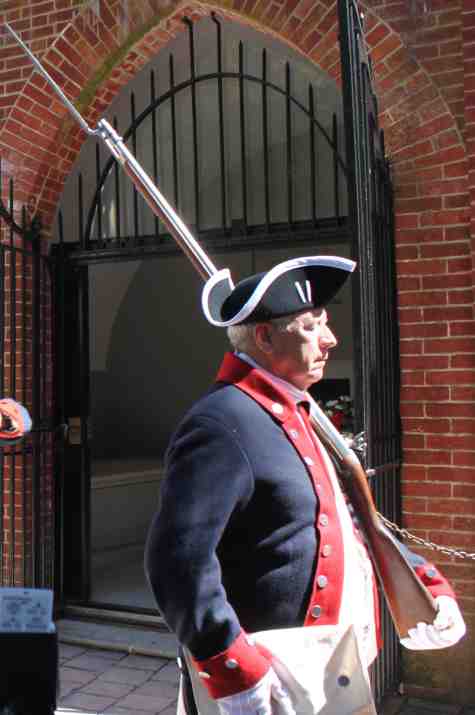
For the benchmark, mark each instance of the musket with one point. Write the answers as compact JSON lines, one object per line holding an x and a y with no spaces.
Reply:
{"x":408,"y":599}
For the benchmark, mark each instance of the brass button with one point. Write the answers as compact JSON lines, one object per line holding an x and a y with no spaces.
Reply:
{"x":316,"y":611}
{"x":277,"y":408}
{"x":322,"y":581}
{"x":231,"y":663}
{"x":309,"y":461}
{"x":323,"y":520}
{"x":294,"y":433}
{"x":327,"y":549}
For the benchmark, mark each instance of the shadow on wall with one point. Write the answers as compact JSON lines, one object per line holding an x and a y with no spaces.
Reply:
{"x":160,"y":357}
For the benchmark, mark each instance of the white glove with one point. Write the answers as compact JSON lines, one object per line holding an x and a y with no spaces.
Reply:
{"x":446,"y":630}
{"x":267,"y":697}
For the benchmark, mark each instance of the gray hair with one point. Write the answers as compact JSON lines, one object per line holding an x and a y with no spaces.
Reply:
{"x":241,"y":337}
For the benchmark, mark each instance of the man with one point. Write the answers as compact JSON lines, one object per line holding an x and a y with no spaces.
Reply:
{"x":253,"y":532}
{"x":15,"y":422}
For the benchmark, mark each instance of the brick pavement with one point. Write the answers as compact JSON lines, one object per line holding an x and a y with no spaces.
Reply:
{"x":105,"y":681}
{"x":99,"y":681}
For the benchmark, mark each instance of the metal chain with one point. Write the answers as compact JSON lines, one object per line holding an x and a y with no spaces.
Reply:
{"x":422,"y":542}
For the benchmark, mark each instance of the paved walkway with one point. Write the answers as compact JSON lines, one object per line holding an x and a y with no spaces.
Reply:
{"x":100,"y":681}
{"x":96,"y":680}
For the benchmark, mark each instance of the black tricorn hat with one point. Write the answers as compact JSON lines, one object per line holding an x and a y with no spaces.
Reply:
{"x":290,"y":287}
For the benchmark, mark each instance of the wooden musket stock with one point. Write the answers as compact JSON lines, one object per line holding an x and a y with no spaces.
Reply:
{"x":408,"y":599}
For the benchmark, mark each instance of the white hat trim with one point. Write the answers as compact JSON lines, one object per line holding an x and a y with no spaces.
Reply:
{"x":329,"y":261}
{"x":222,"y":275}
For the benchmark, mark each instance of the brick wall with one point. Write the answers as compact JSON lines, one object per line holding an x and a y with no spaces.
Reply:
{"x":423,"y":55}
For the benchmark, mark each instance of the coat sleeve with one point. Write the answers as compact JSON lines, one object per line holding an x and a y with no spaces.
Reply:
{"x":208,"y":479}
{"x":431,"y":577}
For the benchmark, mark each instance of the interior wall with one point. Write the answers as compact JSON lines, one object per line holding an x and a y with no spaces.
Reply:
{"x":153,"y":353}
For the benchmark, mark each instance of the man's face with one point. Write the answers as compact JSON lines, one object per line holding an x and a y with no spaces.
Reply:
{"x":299,"y":353}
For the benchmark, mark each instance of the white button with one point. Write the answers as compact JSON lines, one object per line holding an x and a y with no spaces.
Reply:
{"x":203,"y":674}
{"x":322,"y":581}
{"x":309,"y":461}
{"x":277,"y":409}
{"x":327,"y":549}
{"x":323,"y":520}
{"x":294,"y":433}
{"x":316,"y":611}
{"x":231,"y":663}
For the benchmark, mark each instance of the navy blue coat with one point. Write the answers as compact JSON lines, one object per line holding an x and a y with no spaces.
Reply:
{"x":234,"y":544}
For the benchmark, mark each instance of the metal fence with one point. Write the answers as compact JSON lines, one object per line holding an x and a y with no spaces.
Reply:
{"x":27,"y":484}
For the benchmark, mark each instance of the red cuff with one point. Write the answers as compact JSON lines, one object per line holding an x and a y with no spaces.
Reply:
{"x":433,"y":580}
{"x":238,"y":668}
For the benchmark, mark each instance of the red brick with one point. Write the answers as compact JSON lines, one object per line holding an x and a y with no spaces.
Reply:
{"x":463,"y":393}
{"x":411,"y":409}
{"x":466,"y":491}
{"x":427,"y":521}
{"x":423,"y":330}
{"x":424,"y":267}
{"x":448,"y":346}
{"x":460,"y":361}
{"x":464,"y":426}
{"x":421,"y":456}
{"x":425,"y":394}
{"x":439,"y":314}
{"x":443,"y":250}
{"x":410,"y":315}
{"x":427,"y":426}
{"x":450,"y":442}
{"x":412,"y":283}
{"x":457,"y":280}
{"x":425,"y":488}
{"x":415,"y":298}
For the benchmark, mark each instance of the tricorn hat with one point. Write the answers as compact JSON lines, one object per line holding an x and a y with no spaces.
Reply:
{"x":290,"y":287}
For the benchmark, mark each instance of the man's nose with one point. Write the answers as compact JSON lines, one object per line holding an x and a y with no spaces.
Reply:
{"x":328,"y":338}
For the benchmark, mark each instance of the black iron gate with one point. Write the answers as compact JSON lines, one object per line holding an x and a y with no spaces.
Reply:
{"x":111,"y":229}
{"x":375,"y":308}
{"x":27,"y":491}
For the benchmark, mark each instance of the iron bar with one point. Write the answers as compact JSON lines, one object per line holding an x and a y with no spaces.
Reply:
{"x":194,"y":119}
{"x":336,"y":187}
{"x":265,"y":139}
{"x":85,"y":469}
{"x":99,"y":196}
{"x":313,"y":156}
{"x":134,"y":190}
{"x":12,"y":386}
{"x":116,"y":192}
{"x":24,"y":354}
{"x":3,"y":269}
{"x":242,"y":117}
{"x":83,"y":237}
{"x":154,"y":143}
{"x":174,"y":142}
{"x":61,"y":407}
{"x":288,"y":132}
{"x":219,"y":52}
{"x":36,"y":414}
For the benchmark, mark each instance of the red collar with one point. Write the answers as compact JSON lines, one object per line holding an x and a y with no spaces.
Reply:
{"x":257,"y":385}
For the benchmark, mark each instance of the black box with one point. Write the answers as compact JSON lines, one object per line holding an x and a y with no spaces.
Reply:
{"x":28,"y":673}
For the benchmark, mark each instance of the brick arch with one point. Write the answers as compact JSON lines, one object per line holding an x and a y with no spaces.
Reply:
{"x":94,"y":57}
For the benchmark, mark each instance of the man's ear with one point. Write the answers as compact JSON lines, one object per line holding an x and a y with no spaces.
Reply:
{"x":263,"y":337}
